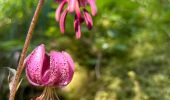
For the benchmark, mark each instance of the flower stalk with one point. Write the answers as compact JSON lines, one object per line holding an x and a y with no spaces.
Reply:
{"x":24,"y":50}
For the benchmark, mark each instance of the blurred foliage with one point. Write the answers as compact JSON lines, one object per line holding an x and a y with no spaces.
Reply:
{"x":125,"y":57}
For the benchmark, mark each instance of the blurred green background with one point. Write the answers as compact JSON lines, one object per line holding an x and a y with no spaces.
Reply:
{"x":125,"y":57}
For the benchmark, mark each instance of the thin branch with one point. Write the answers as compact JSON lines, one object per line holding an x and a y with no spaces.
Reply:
{"x":24,"y":51}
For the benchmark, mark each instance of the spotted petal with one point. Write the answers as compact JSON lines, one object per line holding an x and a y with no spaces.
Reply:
{"x":36,"y":64}
{"x":62,"y":68}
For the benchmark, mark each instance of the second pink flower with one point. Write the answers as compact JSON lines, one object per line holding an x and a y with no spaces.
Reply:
{"x":55,"y":69}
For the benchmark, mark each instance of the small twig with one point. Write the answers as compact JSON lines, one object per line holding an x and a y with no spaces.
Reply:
{"x":97,"y":67}
{"x":24,"y":51}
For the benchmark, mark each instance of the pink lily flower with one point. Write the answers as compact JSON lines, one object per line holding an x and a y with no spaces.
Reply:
{"x":80,"y":15}
{"x":51,"y":70}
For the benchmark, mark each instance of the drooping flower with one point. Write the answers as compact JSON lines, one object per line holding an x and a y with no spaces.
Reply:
{"x":81,"y":14}
{"x":51,"y":70}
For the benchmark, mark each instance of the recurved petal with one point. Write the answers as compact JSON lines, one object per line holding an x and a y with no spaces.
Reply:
{"x":71,"y":65}
{"x":59,"y":9}
{"x":60,"y":69}
{"x":71,"y":5}
{"x":62,"y":21}
{"x":93,"y":6}
{"x":77,"y":10}
{"x":88,"y":19}
{"x":34,"y":63}
{"x":77,"y":28}
{"x":45,"y":70}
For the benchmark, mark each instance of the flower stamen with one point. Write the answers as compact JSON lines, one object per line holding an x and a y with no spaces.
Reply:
{"x":49,"y":93}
